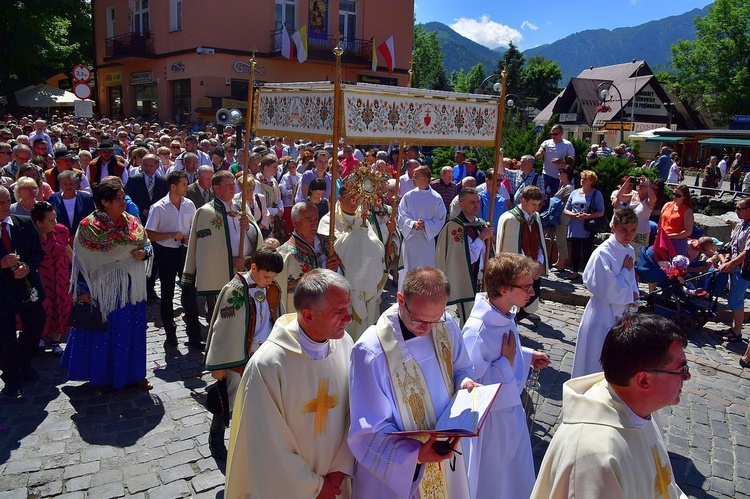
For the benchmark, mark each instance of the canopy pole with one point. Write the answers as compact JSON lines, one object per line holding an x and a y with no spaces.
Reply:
{"x":246,"y":153}
{"x":337,"y":51}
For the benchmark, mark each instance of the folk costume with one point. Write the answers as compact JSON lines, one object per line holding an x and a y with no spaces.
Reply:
{"x":211,"y":247}
{"x":603,"y":449}
{"x":418,"y":247}
{"x":403,"y":384}
{"x":499,"y":461}
{"x":521,"y":232}
{"x":460,"y":254}
{"x":612,"y":287}
{"x":291,"y":417}
{"x":104,"y":267}
{"x":299,"y":258}
{"x":363,"y":254}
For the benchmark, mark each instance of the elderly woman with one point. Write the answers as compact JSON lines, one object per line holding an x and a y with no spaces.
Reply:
{"x":677,"y":218}
{"x":109,"y":269}
{"x":35,"y":172}
{"x":55,"y":273}
{"x":583,"y":204}
{"x":24,"y":190}
{"x":71,"y":204}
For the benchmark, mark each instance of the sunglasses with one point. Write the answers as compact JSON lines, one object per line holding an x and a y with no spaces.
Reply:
{"x":677,"y":195}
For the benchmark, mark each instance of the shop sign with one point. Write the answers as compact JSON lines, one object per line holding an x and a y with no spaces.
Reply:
{"x":141,"y":78}
{"x":113,"y":78}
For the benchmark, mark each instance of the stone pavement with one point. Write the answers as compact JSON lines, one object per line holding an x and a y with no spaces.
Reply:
{"x":63,"y":439}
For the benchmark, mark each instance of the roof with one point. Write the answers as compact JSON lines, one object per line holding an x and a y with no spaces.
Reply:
{"x":725,"y":141}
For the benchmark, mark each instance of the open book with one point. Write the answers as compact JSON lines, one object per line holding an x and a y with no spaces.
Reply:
{"x":464,"y":416}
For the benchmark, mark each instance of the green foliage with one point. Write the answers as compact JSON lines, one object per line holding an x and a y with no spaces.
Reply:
{"x":519,"y":140}
{"x":428,"y":61}
{"x":582,"y":148}
{"x":442,"y":156}
{"x":714,"y":69}
{"x":512,"y":62}
{"x":39,"y":38}
{"x":539,"y":80}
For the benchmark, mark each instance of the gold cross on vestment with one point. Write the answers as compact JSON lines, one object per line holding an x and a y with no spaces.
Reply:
{"x":320,"y":405}
{"x":663,"y":476}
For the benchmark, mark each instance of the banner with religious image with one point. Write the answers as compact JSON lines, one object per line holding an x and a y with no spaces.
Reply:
{"x":301,"y":111}
{"x":415,"y":116}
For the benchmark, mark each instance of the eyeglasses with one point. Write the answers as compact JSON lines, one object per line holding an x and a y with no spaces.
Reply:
{"x":677,"y":195}
{"x":7,"y":153}
{"x":684,"y":372}
{"x":556,"y":133}
{"x":175,"y":147}
{"x":528,"y":288}
{"x":423,"y":323}
{"x":740,"y":208}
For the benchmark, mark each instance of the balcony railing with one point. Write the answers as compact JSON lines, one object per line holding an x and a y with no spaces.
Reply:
{"x":130,"y":45}
{"x":321,"y":47}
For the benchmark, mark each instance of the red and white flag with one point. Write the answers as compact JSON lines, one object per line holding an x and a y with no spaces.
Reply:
{"x":286,"y":44}
{"x":386,"y":50}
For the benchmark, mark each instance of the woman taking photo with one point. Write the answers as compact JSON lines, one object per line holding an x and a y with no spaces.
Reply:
{"x":560,"y":231}
{"x":109,"y":269}
{"x":55,"y":272}
{"x":583,"y":204}
{"x":677,"y":219}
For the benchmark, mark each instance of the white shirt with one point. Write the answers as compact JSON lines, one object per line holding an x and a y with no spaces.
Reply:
{"x":263,"y":324}
{"x":203,"y":159}
{"x":316,"y":351}
{"x":70,"y":207}
{"x":165,"y":217}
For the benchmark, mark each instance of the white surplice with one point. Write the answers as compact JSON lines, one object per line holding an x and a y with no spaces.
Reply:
{"x":418,"y":246}
{"x":612,"y":287}
{"x":499,"y":461}
{"x":386,"y":464}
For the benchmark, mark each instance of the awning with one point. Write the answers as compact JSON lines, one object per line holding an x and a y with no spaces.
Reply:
{"x":725,"y":141}
{"x":664,"y":138}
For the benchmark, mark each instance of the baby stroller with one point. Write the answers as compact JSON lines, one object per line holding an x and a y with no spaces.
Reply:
{"x":670,"y":298}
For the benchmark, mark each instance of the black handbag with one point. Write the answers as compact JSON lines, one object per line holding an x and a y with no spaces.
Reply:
{"x":594,"y":225}
{"x":87,"y":316}
{"x":745,"y":272}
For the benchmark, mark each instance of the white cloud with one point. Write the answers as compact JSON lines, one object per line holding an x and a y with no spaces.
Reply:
{"x":487,"y":32}
{"x":529,"y":25}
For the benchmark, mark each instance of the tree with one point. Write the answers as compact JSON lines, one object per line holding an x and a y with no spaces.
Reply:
{"x":469,"y":82}
{"x":428,"y":61}
{"x":513,"y":62}
{"x":39,"y":38}
{"x":713,"y":70}
{"x":539,"y":81}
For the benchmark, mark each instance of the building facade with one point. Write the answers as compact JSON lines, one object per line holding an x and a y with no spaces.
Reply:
{"x":179,"y":60}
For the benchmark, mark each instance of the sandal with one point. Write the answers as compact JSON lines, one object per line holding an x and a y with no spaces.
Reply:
{"x":144,"y":384}
{"x":731,"y":337}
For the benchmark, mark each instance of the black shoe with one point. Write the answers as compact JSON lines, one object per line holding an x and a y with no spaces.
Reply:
{"x":171,"y":341}
{"x":151,"y":295}
{"x":196,"y":345}
{"x":11,"y":391}
{"x":30,"y":374}
{"x":217,"y":447}
{"x":744,"y":364}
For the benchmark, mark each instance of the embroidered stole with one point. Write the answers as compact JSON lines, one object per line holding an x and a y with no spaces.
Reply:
{"x":412,"y":395}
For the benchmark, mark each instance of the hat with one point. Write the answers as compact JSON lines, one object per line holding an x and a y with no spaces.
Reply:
{"x":217,"y":400}
{"x":260,"y":150}
{"x":413,"y":148}
{"x":717,"y":242}
{"x":105,"y":145}
{"x":63,"y":153}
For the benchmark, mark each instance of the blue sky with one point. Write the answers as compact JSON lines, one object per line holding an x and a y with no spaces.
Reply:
{"x":529,"y":23}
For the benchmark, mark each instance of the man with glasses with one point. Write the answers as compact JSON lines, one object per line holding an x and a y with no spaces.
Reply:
{"x":554,"y":151}
{"x":404,"y":372}
{"x":191,"y":145}
{"x":20,"y":154}
{"x":6,"y":157}
{"x":609,"y":444}
{"x":739,"y":244}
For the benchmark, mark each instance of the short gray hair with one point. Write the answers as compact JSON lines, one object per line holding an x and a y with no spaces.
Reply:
{"x":311,"y":290}
{"x":528,"y":157}
{"x":300,"y":207}
{"x":68,"y":175}
{"x":205,"y":169}
{"x":446,"y":169}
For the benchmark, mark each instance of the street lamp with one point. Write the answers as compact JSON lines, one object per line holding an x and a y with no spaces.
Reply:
{"x":495,"y":88}
{"x":606,"y":96}
{"x":512,"y":101}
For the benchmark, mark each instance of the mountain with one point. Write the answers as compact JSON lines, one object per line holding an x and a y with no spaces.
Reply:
{"x":651,"y":41}
{"x":460,"y":52}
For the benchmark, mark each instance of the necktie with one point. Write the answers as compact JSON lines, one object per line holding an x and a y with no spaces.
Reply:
{"x":6,"y":237}
{"x":205,"y":196}
{"x":151,"y":187}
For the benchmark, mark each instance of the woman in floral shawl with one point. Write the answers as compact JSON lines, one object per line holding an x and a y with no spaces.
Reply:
{"x":109,"y":267}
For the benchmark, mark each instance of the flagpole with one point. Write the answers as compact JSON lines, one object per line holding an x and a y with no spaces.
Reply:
{"x":337,"y":51}
{"x":411,"y":72}
{"x":246,"y":152}
{"x":498,"y":159}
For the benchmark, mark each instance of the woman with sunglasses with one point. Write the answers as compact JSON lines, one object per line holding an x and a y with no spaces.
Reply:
{"x":677,"y":219}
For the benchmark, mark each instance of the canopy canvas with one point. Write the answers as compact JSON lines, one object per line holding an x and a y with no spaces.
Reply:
{"x":378,"y":113}
{"x":43,"y":96}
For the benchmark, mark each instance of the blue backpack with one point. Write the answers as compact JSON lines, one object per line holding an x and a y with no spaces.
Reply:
{"x":551,"y":216}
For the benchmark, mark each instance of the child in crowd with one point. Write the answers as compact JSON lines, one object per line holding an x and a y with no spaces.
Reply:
{"x":316,"y":190}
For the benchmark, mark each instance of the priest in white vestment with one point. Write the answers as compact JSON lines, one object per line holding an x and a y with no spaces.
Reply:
{"x":609,"y":443}
{"x":610,"y":278}
{"x":291,"y":415}
{"x":499,"y":461}
{"x":363,"y":255}
{"x":404,"y":372}
{"x":421,"y":215}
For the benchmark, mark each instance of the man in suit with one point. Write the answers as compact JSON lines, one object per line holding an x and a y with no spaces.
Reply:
{"x":146,"y":188}
{"x":200,"y":191}
{"x":71,"y":201}
{"x":20,"y":255}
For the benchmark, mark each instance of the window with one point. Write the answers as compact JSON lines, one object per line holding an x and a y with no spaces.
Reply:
{"x":110,"y":22}
{"x":175,"y":15}
{"x":285,"y":14}
{"x":348,"y":24}
{"x":141,"y":17}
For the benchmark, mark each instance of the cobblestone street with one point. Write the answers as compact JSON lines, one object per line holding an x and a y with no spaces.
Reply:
{"x":67,"y":440}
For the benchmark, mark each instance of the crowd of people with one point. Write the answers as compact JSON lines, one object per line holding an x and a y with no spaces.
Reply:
{"x":93,"y":213}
